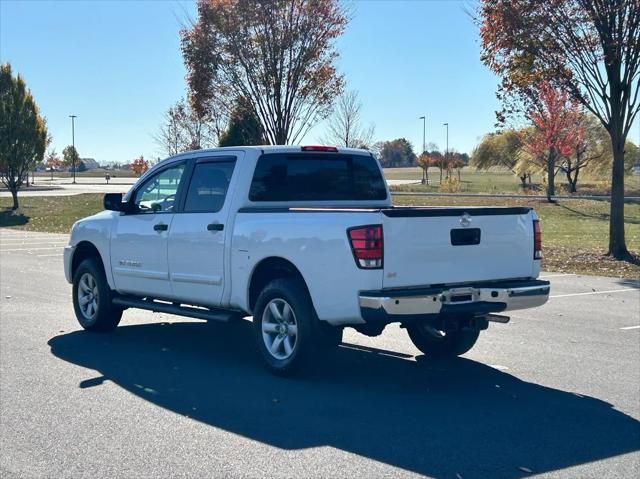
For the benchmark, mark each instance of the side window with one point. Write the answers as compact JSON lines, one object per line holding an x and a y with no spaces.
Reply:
{"x":159,"y":193}
{"x":208,"y":187}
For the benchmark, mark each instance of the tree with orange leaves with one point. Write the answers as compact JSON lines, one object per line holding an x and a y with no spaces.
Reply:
{"x":424,"y":162}
{"x":53,"y":162}
{"x":139,"y":165}
{"x":278,"y":54}
{"x":456,"y":164}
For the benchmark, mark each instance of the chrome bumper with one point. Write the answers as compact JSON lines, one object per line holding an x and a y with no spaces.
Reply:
{"x":477,"y":300}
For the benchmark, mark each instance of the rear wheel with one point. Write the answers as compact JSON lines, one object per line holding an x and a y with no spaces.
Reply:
{"x":435,"y":343}
{"x":283,"y":319}
{"x":92,"y":298}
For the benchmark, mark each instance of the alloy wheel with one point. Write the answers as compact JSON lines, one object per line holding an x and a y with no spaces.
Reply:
{"x":88,"y":296}
{"x":279,"y":329}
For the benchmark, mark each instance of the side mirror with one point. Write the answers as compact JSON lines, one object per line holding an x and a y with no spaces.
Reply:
{"x":113,"y":202}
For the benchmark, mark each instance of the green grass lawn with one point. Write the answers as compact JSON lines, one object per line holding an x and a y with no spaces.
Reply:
{"x":574,"y":231}
{"x":97,"y":173}
{"x":415,"y":173}
{"x":53,"y":214}
{"x":500,"y":182}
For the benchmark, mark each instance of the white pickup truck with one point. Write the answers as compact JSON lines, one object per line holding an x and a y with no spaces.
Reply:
{"x":306,"y":241}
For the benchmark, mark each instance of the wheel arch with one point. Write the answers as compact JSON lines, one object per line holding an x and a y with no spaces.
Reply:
{"x":268,"y":269}
{"x":84,"y":250}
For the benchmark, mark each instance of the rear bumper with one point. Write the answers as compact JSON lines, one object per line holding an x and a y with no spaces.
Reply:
{"x":476,"y":299}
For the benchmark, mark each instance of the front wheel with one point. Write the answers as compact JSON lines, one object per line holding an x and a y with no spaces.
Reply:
{"x":435,"y":343}
{"x":92,"y":298}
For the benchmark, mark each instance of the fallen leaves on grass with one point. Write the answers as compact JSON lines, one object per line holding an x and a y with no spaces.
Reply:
{"x":568,"y":260}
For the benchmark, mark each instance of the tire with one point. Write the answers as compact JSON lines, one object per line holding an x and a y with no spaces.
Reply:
{"x":90,"y":287}
{"x":283,"y":323}
{"x":436,"y":344}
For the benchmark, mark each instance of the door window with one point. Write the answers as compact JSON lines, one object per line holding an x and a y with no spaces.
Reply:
{"x":159,"y":193}
{"x":208,"y":187}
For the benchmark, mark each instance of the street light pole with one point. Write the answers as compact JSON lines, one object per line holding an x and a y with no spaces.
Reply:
{"x":425,"y":173}
{"x":73,"y":145}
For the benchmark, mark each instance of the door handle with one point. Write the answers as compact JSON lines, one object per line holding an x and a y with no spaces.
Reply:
{"x":215,"y":227}
{"x":160,"y":227}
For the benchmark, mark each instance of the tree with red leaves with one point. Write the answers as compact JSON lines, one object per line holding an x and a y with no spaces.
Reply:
{"x":556,"y":131}
{"x":589,"y":48}
{"x":139,"y":165}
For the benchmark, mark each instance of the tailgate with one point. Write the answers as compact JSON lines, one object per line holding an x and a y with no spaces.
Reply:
{"x":426,"y":246}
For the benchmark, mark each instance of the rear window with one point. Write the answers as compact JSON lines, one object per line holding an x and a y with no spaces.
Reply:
{"x":317,"y":177}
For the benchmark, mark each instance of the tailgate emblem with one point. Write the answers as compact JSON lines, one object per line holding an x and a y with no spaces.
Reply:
{"x":465,"y":220}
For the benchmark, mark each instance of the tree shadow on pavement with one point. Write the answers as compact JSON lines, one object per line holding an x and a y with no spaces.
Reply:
{"x":599,"y":216}
{"x":9,"y":217}
{"x":439,"y":418}
{"x":632,"y":283}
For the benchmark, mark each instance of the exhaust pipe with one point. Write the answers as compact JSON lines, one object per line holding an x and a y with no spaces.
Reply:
{"x":497,"y":318}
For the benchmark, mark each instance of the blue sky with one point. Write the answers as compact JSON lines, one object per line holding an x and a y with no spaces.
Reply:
{"x":117,"y":65}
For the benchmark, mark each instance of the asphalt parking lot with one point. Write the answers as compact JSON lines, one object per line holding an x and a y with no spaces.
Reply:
{"x":555,"y":393}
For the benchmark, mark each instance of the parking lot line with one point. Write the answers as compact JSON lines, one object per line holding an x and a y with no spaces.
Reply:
{"x":21,"y":232}
{"x":31,"y":238}
{"x":62,"y":243}
{"x":29,"y":249}
{"x":16,"y":244}
{"x":594,"y":292}
{"x":556,"y":275}
{"x":44,"y":255}
{"x":631,"y":327}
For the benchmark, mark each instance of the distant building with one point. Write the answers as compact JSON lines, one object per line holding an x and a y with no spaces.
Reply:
{"x":86,"y":164}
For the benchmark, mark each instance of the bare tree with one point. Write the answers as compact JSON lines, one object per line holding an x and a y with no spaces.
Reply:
{"x":182,"y":129}
{"x":169,"y":137}
{"x":344,"y":126}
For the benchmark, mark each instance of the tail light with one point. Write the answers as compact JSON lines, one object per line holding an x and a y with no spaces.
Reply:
{"x":367,"y":246}
{"x":537,"y":240}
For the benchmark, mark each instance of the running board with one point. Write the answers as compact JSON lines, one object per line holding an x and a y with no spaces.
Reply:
{"x":497,"y":318}
{"x":157,"y":307}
